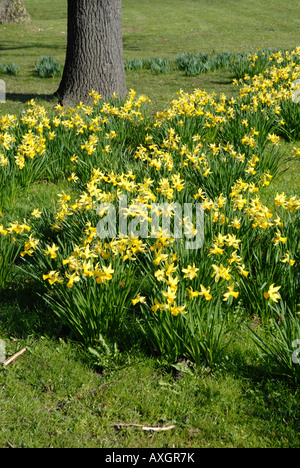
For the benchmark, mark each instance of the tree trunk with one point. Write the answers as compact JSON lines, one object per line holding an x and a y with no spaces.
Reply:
{"x":94,"y":59}
{"x":13,"y":11}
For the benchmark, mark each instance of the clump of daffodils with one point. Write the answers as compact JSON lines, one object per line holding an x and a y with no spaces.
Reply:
{"x":203,"y":149}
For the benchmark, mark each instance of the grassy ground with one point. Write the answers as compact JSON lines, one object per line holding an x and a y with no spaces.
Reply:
{"x":155,"y":29}
{"x":52,"y":396}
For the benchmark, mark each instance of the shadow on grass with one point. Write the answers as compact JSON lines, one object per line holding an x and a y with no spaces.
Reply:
{"x":23,"y":313}
{"x":23,"y":97}
{"x":225,"y":80}
{"x":7,"y":46}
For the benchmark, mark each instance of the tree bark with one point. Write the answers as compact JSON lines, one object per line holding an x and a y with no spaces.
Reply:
{"x":94,"y":58}
{"x":13,"y":11}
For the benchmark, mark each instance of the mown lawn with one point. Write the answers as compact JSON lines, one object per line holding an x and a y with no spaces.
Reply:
{"x":152,"y":30}
{"x":55,"y":394}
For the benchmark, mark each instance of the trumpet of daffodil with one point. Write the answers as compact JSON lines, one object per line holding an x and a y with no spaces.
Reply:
{"x":232,"y":241}
{"x":280,"y":199}
{"x":170,"y":295}
{"x":30,"y":246}
{"x":36,"y":213}
{"x":51,"y":250}
{"x":190,"y":272}
{"x":53,"y":277}
{"x":272,"y":293}
{"x":230,"y":292}
{"x":156,"y":305}
{"x":205,"y":292}
{"x":279,"y":238}
{"x":215,"y":250}
{"x":275,"y":139}
{"x":86,"y":268}
{"x":73,"y":278}
{"x":104,"y":275}
{"x":138,"y":299}
{"x":2,"y":230}
{"x":192,"y":293}
{"x":175,"y":309}
{"x":172,"y":282}
{"x":221,"y":272}
{"x":287,"y":259}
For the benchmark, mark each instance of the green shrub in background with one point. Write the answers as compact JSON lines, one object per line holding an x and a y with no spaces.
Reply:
{"x":136,"y":64}
{"x":9,"y":69}
{"x":48,"y":67}
{"x":156,"y":65}
{"x":160,"y":65}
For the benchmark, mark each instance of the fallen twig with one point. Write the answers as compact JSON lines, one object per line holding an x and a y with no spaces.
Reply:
{"x":12,"y":358}
{"x":10,"y":444}
{"x":145,"y":428}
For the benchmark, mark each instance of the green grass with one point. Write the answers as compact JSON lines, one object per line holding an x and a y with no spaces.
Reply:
{"x":55,"y":395}
{"x":225,"y":26}
{"x":154,"y":29}
{"x":52,"y":398}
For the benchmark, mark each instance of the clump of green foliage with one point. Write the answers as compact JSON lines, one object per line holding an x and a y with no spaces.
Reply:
{"x":48,"y":67}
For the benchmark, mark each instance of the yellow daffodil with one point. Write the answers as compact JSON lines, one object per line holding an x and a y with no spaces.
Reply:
{"x":221,"y":272}
{"x":287,"y":259}
{"x":36,"y":213}
{"x":51,"y":250}
{"x":190,"y":272}
{"x":170,"y":295}
{"x":73,"y":278}
{"x":53,"y":277}
{"x":138,"y":299}
{"x":205,"y":292}
{"x":272,"y":293}
{"x":230,"y":292}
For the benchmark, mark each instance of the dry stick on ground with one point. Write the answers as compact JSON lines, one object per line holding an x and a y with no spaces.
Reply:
{"x":12,"y":358}
{"x":145,"y":428}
